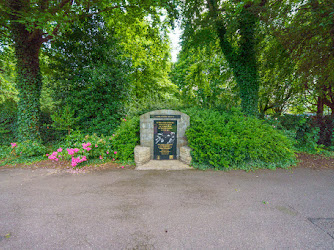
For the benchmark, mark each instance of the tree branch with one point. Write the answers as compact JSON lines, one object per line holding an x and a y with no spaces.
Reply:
{"x":60,"y":6}
{"x":52,"y":35}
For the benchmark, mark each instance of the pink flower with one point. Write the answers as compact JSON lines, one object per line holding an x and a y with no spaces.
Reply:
{"x":101,"y":157}
{"x":113,"y":134}
{"x":124,"y":119}
{"x":88,"y":149}
{"x":76,"y":150}
{"x":70,"y":151}
{"x":113,"y":159}
{"x":96,"y":145}
{"x":115,"y":152}
{"x":59,"y":150}
{"x":77,"y":160}
{"x":53,"y":156}
{"x":86,"y":145}
{"x":122,"y":167}
{"x":13,"y":144}
{"x":107,"y":152}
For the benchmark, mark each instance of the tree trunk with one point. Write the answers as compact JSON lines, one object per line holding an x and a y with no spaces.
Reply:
{"x":320,"y":120}
{"x":243,"y":60}
{"x":247,"y":71}
{"x":29,"y":81}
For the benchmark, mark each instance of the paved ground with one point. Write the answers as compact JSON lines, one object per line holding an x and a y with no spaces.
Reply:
{"x":128,"y":209}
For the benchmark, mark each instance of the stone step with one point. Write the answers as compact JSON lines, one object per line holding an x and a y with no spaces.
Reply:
{"x":164,"y":165}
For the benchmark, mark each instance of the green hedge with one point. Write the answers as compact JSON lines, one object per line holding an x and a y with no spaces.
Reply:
{"x":229,"y":140}
{"x":219,"y":140}
{"x":126,"y":138}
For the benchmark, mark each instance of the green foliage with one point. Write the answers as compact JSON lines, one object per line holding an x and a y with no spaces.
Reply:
{"x":100,"y":147}
{"x":7,"y":122}
{"x":5,"y":151}
{"x":147,"y":45}
{"x":29,"y":24}
{"x":236,"y":29}
{"x":203,"y":76}
{"x":126,"y":138}
{"x":8,"y":92}
{"x":279,"y":86}
{"x":307,"y":37}
{"x":90,"y":61}
{"x":154,"y":102}
{"x":64,"y":120}
{"x":29,"y":149}
{"x":229,"y":140}
{"x":118,"y":146}
{"x":307,"y":136}
{"x":301,"y":129}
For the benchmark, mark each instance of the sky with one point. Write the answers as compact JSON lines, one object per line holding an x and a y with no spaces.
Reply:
{"x":175,"y":39}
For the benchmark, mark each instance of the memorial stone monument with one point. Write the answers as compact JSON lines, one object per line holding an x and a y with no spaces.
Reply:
{"x":162,"y":137}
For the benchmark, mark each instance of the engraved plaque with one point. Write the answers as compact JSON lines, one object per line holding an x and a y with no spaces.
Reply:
{"x":165,"y":133}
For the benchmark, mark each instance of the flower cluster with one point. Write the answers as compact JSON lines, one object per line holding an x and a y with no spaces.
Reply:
{"x":76,"y":161}
{"x":86,"y":146}
{"x":13,"y":144}
{"x":54,"y":156}
{"x":72,"y":151}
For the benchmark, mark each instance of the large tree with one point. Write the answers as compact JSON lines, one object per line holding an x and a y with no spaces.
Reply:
{"x":235,"y":24}
{"x":306,"y":31}
{"x":31,"y":23}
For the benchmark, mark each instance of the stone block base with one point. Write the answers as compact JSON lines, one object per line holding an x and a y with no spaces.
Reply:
{"x":142,"y":155}
{"x":185,"y":156}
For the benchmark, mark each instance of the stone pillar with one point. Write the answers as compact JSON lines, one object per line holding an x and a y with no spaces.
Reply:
{"x":142,"y":155}
{"x":185,"y":156}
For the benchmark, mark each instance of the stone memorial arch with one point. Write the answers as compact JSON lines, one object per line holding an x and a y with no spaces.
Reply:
{"x":162,"y":137}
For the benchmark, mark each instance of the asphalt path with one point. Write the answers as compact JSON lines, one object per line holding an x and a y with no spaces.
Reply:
{"x":129,"y":209}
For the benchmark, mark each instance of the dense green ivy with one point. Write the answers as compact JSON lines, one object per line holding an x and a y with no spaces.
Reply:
{"x":229,"y":140}
{"x":28,"y":83}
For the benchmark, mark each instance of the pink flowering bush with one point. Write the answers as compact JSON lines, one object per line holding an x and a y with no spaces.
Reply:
{"x":80,"y":149}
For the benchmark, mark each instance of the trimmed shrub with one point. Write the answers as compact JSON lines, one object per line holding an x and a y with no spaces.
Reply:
{"x":126,"y":138}
{"x":229,"y":140}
